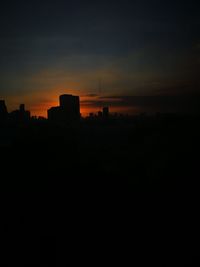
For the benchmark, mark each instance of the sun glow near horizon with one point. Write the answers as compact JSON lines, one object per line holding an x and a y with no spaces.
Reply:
{"x":38,"y":104}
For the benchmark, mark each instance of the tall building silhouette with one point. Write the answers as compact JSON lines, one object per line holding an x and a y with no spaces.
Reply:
{"x":22,"y":108}
{"x":68,"y":111}
{"x":71,"y":106}
{"x":3,"y":111}
{"x":105,"y":112}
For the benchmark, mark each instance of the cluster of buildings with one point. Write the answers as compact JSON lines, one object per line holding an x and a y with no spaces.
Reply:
{"x":19,"y":115}
{"x":101,"y":114}
{"x":68,"y":111}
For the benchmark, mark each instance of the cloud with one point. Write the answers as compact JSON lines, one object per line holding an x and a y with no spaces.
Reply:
{"x":90,"y":95}
{"x":169,"y":103}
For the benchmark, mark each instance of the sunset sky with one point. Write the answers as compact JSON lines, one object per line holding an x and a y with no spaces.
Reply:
{"x":145,"y":53}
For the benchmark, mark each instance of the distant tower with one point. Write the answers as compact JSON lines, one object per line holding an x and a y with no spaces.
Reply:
{"x":105,"y":112}
{"x":100,"y":106}
{"x":100,"y":87}
{"x":22,"y":108}
{"x":24,"y":114}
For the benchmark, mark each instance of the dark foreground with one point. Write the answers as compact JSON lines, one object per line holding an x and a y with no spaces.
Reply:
{"x":140,"y":154}
{"x":61,"y":184}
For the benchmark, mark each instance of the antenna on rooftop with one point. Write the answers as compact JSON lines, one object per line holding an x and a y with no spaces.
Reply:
{"x":100,"y":87}
{"x":100,"y":91}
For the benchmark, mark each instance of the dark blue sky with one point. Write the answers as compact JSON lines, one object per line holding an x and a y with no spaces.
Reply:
{"x":136,"y":48}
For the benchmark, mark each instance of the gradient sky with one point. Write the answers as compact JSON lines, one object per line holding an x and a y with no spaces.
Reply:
{"x":144,"y":52}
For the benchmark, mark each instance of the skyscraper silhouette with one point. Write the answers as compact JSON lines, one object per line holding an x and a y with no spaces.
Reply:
{"x":105,"y":112}
{"x":71,"y":106}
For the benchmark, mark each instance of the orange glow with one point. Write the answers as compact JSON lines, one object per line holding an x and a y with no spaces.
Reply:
{"x":44,"y":87}
{"x":41,"y":108}
{"x":87,"y":105}
{"x":38,"y":103}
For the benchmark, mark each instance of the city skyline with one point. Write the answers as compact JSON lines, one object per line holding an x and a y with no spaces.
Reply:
{"x":127,"y":105}
{"x":136,"y":48}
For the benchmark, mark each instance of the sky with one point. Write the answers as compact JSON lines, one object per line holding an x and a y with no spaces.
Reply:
{"x":134,"y":56}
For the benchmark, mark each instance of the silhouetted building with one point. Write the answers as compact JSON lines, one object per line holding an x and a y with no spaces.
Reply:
{"x":68,"y":111}
{"x":22,"y":108}
{"x":55,"y":114}
{"x":3,"y":111}
{"x":71,"y":106}
{"x":105,"y":112}
{"x":100,"y":114}
{"x":20,"y":115}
